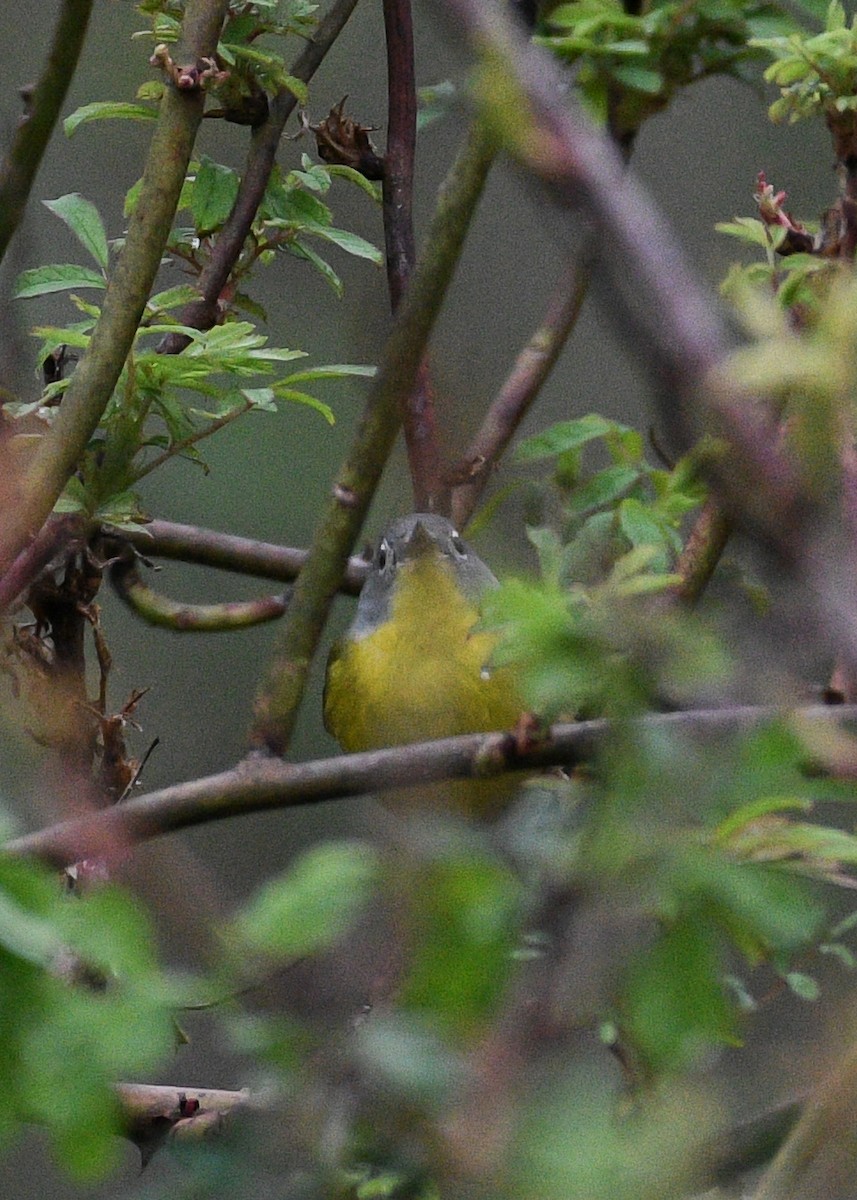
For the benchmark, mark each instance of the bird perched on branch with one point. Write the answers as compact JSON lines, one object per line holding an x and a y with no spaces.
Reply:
{"x":413,"y":666}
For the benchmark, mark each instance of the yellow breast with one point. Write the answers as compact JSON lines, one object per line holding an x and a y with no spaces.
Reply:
{"x":424,"y":673}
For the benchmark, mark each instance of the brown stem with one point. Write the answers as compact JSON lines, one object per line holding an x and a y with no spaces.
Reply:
{"x":203,"y":313}
{"x":42,"y":106}
{"x":521,"y":387}
{"x":198,"y":435}
{"x":259,"y":784}
{"x":419,"y":418}
{"x":245,"y":556}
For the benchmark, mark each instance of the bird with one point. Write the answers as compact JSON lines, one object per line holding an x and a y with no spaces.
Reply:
{"x":415,"y":664}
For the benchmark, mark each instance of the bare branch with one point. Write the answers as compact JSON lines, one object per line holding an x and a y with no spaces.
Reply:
{"x":521,"y":387}
{"x":244,"y":556}
{"x":419,"y":418}
{"x":259,"y":784}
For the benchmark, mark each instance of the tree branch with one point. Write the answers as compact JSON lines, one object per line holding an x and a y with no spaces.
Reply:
{"x":42,"y":105}
{"x":58,"y":451}
{"x":259,"y":784}
{"x":157,"y":609}
{"x":244,"y":556}
{"x":282,"y":689}
{"x":203,"y":313}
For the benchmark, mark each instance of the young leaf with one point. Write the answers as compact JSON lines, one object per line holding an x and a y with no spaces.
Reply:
{"x":59,"y":277}
{"x":214,"y":194}
{"x":106,"y":110}
{"x":83,"y":219}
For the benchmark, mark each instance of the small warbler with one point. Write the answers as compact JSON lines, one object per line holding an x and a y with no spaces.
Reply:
{"x":412,"y":667}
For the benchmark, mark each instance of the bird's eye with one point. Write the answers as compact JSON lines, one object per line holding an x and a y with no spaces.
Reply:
{"x":384,"y":554}
{"x":458,"y":546}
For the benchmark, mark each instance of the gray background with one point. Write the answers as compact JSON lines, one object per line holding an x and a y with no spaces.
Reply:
{"x":269,"y":473}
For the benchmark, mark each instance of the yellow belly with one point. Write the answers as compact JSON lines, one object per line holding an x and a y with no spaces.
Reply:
{"x":423,"y":674}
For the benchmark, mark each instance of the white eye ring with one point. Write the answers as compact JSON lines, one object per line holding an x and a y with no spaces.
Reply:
{"x":457,"y":545}
{"x":384,"y":553}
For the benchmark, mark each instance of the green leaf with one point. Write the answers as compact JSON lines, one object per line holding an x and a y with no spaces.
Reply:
{"x":300,"y":250}
{"x":331,"y":371}
{"x":803,"y":986}
{"x":351,"y":243}
{"x":641,"y":79}
{"x":59,"y":277}
{"x":73,"y":497}
{"x":106,"y":110}
{"x":312,"y":904}
{"x":603,"y":488}
{"x":340,"y":171}
{"x":286,"y":393}
{"x":214,"y":193}
{"x":465,"y":913}
{"x":673,"y":1001}
{"x":84,"y":220}
{"x":566,"y":435}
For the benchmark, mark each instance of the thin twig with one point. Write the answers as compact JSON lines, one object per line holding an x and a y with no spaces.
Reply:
{"x":521,"y":387}
{"x":259,"y":784}
{"x":42,"y":107}
{"x":58,"y":451}
{"x":244,"y":556}
{"x":282,"y":689}
{"x":203,"y":313}
{"x":158,"y":609}
{"x":419,"y":419}
{"x":192,"y":439}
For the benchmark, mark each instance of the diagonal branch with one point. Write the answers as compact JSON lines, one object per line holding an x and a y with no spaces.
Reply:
{"x":42,"y":106}
{"x":259,"y":784}
{"x":688,"y":341}
{"x":58,"y":451}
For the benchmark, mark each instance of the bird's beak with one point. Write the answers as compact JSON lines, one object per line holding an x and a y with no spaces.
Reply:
{"x":420,"y":543}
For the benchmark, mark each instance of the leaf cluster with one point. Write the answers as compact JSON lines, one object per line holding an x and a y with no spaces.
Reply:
{"x":630,"y":64}
{"x":814,"y":72}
